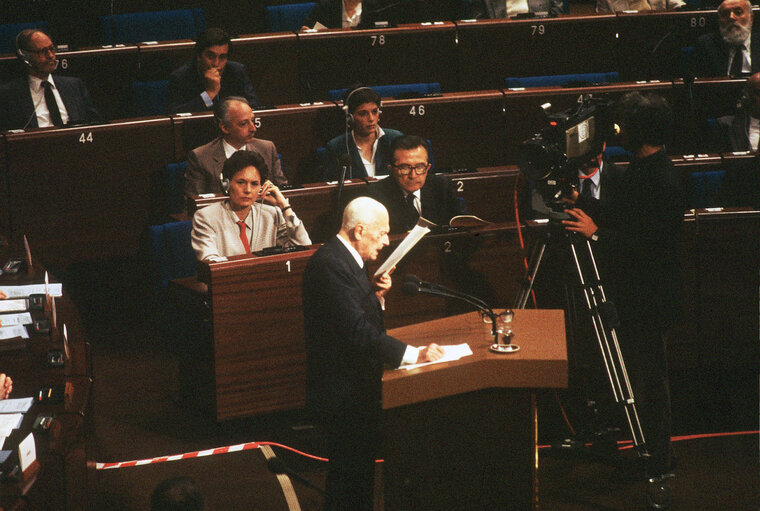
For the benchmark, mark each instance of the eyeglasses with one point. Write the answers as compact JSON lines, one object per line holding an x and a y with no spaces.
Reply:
{"x":405,"y":170}
{"x":42,"y":51}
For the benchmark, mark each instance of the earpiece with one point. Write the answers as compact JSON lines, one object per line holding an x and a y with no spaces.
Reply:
{"x":226,"y":186}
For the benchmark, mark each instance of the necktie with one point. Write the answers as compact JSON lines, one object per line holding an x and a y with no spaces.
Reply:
{"x":736,"y":64}
{"x":52,"y":105}
{"x":244,"y":237}
{"x":586,"y":189}
{"x":412,"y":214}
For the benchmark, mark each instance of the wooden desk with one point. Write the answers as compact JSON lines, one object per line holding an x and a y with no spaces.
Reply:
{"x":462,"y":434}
{"x":489,"y":51}
{"x":415,"y":53}
{"x":256,"y":361}
{"x":60,"y":482}
{"x":83,"y":193}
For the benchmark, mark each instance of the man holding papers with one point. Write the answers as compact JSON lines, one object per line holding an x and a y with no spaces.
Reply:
{"x":410,"y":192}
{"x":346,"y":347}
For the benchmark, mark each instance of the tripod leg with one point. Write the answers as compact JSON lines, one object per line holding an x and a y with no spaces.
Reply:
{"x":606,"y":335}
{"x":534,"y":263}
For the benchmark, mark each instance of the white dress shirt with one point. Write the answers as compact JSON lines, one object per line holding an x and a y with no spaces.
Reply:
{"x":40,"y":106}
{"x":369,"y":165}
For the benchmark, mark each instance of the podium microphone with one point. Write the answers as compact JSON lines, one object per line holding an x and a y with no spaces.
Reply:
{"x":276,"y":466}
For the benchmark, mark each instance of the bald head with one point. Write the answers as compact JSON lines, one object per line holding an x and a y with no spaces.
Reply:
{"x":365,"y":227}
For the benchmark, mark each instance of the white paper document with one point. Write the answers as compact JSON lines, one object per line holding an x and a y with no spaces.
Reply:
{"x":11,"y":332}
{"x":25,"y":291}
{"x":9,"y":422}
{"x":415,"y":235}
{"x":15,"y":319}
{"x":13,"y":305}
{"x":451,"y":352}
{"x":19,"y":405}
{"x":27,"y":452}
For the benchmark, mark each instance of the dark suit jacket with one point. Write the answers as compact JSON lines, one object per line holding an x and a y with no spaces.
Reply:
{"x":640,"y":224}
{"x":17,"y":109}
{"x":337,"y":147}
{"x":346,"y":343}
{"x":732,"y":133}
{"x":437,"y":197}
{"x":186,"y":86}
{"x":483,"y":9}
{"x":204,"y":165}
{"x":711,"y":55}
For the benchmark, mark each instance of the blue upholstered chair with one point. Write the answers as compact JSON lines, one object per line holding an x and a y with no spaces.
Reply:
{"x":560,"y":80}
{"x":703,"y":187}
{"x":149,"y":98}
{"x":394,"y":91}
{"x":153,"y":26}
{"x":288,"y":17}
{"x":9,"y":32}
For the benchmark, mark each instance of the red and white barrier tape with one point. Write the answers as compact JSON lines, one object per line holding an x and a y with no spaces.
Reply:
{"x":625,"y":444}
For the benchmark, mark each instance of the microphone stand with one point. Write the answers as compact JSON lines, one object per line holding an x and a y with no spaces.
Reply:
{"x":415,"y":286}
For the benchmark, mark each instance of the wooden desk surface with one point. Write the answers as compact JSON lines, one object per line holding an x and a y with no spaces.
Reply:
{"x":540,"y":362}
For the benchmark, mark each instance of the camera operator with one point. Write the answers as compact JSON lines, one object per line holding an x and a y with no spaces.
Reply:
{"x":636,"y":231}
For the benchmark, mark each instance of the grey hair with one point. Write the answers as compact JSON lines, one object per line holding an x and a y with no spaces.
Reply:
{"x":222,"y":109}
{"x":362,"y":210}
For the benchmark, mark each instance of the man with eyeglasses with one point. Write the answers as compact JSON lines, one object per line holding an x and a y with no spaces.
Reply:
{"x":410,"y":191}
{"x":39,"y":99}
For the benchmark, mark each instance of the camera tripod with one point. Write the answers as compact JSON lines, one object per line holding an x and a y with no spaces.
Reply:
{"x":604,"y":319}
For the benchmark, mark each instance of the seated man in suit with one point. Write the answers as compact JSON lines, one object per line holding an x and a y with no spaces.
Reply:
{"x":209,"y":77}
{"x":485,"y":9}
{"x":734,"y":51}
{"x":254,"y":217}
{"x":611,"y":6}
{"x":40,"y":99}
{"x":741,"y":132}
{"x":336,"y":14}
{"x":598,"y":178}
{"x":409,"y":191}
{"x":346,"y":348}
{"x":237,"y":123}
{"x":365,"y":146}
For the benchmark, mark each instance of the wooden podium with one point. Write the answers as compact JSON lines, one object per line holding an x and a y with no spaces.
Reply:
{"x":462,"y":434}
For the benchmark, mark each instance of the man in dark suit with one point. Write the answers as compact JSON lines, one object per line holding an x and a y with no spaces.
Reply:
{"x":410,"y":192}
{"x":741,"y":132}
{"x":735,"y":50}
{"x":346,"y":348}
{"x":209,"y":77}
{"x":237,"y":123}
{"x":638,"y":236}
{"x":365,"y":142}
{"x":40,"y":99}
{"x":485,"y":9}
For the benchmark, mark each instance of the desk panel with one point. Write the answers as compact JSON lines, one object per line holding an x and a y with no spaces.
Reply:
{"x":336,"y":59}
{"x":84,"y":193}
{"x":489,"y":51}
{"x":649,"y":43}
{"x":466,"y":130}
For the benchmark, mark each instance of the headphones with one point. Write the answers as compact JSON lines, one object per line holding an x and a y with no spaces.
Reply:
{"x":225,"y":185}
{"x":22,"y":55}
{"x":349,"y":115}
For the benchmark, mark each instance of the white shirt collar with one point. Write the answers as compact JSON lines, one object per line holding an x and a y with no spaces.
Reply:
{"x":36,"y":83}
{"x":229,"y":150}
{"x":352,"y":250}
{"x":353,"y":20}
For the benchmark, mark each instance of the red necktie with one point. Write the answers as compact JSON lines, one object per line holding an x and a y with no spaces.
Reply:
{"x":244,"y":237}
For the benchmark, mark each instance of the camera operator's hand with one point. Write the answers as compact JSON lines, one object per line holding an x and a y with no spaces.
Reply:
{"x":571,"y":196}
{"x":582,"y":223}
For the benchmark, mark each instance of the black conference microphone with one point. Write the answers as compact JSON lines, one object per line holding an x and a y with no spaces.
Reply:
{"x":432,"y":286}
{"x":344,"y":162}
{"x":277,"y":466}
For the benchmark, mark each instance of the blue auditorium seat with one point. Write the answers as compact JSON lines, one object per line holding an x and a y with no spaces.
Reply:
{"x":170,"y":256}
{"x":703,"y":186}
{"x":153,"y":26}
{"x":617,"y":153}
{"x":9,"y":32}
{"x":394,"y":91}
{"x":559,"y":80}
{"x":149,"y":98}
{"x":288,"y":17}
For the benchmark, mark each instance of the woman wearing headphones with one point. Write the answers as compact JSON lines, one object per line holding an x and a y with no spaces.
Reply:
{"x":254,"y":217}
